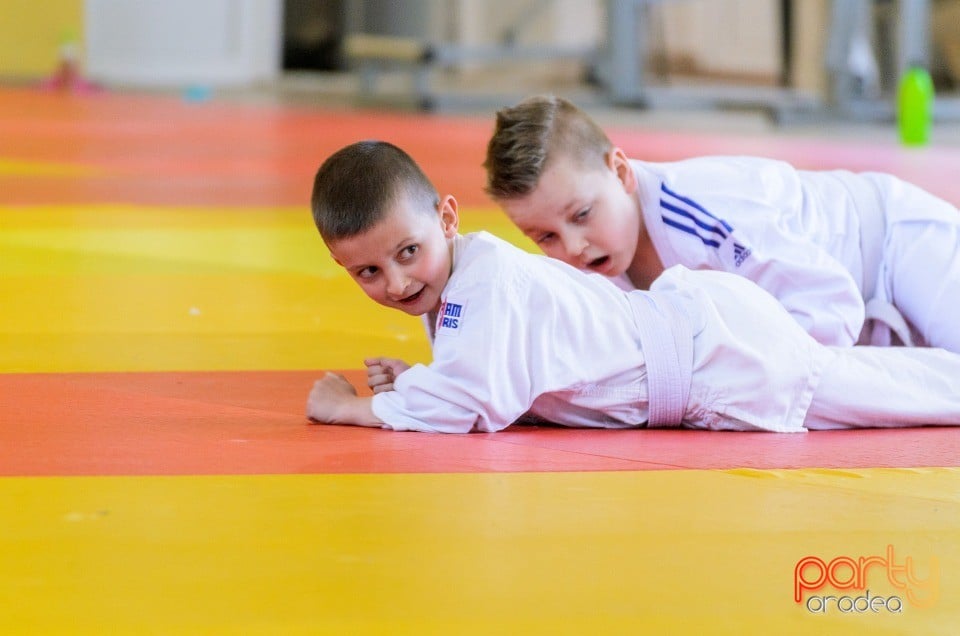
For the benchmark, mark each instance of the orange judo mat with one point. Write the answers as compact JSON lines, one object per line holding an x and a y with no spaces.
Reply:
{"x":145,"y":149}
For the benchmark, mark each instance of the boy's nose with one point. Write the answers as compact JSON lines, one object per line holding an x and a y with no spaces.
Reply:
{"x":396,"y":284}
{"x":574,"y":245}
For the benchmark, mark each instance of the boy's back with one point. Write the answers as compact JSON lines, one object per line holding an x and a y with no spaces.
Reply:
{"x":822,"y":242}
{"x":512,"y":326}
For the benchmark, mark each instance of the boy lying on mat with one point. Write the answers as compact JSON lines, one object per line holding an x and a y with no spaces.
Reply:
{"x":854,"y":257}
{"x":518,"y":334}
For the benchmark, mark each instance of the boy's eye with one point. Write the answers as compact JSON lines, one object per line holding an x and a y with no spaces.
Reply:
{"x":546,"y":237}
{"x":408,"y":252}
{"x":581,"y":216}
{"x":367,"y":272}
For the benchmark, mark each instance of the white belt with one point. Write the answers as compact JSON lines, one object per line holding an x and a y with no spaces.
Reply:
{"x":881,"y":317}
{"x":666,"y":336}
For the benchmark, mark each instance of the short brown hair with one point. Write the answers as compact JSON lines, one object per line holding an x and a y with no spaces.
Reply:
{"x":529,"y":134}
{"x":354,"y":187}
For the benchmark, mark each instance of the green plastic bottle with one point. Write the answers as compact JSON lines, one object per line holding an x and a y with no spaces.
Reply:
{"x":915,"y":106}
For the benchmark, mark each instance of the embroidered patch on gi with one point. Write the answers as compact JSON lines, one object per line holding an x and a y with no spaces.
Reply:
{"x":449,"y":318}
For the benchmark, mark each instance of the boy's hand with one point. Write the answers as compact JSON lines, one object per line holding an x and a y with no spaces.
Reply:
{"x":333,"y":400}
{"x":381,"y":372}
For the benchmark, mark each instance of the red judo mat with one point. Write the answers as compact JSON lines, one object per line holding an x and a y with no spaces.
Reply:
{"x":253,"y":423}
{"x":164,"y":151}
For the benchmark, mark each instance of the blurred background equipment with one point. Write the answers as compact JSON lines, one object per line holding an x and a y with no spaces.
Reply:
{"x":812,"y":59}
{"x":873,"y":44}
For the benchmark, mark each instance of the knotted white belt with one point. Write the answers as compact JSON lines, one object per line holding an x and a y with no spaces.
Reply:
{"x":666,"y":336}
{"x":881,"y":317}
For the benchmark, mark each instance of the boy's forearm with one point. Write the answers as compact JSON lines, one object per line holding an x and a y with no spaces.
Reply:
{"x":357,"y":411}
{"x":333,"y":400}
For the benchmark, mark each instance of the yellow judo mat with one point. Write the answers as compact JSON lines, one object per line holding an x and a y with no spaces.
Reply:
{"x":699,"y":552}
{"x":157,"y":476}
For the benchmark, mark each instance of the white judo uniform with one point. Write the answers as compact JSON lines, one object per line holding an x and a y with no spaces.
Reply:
{"x":852,"y":257}
{"x":521,"y":334}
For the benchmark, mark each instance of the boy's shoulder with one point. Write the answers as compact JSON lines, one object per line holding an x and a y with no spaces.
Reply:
{"x":486,"y":280}
{"x":486,"y":241}
{"x":484,"y":260}
{"x":492,"y":262}
{"x":697,"y":167}
{"x":481,"y":248}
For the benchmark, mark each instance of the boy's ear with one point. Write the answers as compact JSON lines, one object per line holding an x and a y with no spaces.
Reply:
{"x":449,"y":217}
{"x":618,"y":162}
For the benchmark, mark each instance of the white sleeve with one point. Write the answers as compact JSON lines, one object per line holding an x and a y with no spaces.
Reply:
{"x":438,"y":399}
{"x":815,"y":288}
{"x":745,"y":216}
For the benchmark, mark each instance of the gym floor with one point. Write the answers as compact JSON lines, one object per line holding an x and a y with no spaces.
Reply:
{"x":167,"y":305}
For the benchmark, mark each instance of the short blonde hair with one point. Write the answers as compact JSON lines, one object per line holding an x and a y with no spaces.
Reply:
{"x":529,"y":134}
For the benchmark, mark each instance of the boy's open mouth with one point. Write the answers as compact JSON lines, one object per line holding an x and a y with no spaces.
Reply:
{"x":412,"y":298}
{"x":598,"y":263}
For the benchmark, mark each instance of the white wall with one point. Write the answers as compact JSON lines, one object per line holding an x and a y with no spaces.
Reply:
{"x":181,"y":42}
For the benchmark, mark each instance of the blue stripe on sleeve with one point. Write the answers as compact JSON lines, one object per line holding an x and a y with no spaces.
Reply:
{"x":707,"y":226}
{"x":690,"y":230}
{"x":693,"y":204}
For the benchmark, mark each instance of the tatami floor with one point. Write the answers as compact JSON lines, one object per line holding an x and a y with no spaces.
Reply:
{"x":166,"y":305}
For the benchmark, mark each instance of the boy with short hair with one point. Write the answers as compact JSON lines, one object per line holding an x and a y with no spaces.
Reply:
{"x":518,"y":334}
{"x":852,"y":257}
